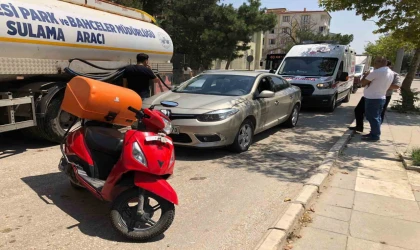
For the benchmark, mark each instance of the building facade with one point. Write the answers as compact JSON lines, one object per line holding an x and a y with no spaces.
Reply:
{"x":280,"y":39}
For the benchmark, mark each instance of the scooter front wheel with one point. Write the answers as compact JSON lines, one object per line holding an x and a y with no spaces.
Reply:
{"x":157,"y":218}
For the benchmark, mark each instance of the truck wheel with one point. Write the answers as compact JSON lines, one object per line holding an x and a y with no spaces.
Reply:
{"x":56,"y":121}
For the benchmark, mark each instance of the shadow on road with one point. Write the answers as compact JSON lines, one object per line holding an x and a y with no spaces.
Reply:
{"x":286,"y":154}
{"x":92,"y":214}
{"x":14,"y":143}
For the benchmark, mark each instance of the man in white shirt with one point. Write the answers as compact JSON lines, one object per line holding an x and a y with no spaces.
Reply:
{"x":187,"y":72}
{"x":376,"y":85}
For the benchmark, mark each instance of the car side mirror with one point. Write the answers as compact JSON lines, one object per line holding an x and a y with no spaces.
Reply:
{"x":344,"y":77}
{"x":272,"y":71}
{"x":266,"y":94}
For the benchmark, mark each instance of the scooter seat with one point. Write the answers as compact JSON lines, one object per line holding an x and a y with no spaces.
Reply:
{"x":106,"y":140}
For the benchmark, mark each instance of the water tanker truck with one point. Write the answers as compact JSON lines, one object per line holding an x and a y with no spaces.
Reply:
{"x":39,"y":41}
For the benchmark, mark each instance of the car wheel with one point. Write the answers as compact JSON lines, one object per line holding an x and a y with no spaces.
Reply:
{"x":244,"y":137}
{"x":293,"y":117}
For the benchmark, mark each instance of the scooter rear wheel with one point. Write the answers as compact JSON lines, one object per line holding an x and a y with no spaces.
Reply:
{"x":125,"y":220}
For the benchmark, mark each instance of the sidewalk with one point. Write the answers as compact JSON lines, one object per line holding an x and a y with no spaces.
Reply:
{"x":371,"y":202}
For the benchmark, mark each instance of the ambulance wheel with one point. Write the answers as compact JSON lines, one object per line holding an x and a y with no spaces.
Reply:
{"x":347,"y":99}
{"x":333,"y":104}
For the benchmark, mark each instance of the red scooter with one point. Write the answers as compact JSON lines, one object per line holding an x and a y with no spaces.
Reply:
{"x":130,"y":170}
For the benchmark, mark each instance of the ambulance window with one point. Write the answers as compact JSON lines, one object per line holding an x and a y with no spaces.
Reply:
{"x":340,"y":70}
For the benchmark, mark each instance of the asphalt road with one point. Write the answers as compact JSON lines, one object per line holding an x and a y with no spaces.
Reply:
{"x":227,"y":201}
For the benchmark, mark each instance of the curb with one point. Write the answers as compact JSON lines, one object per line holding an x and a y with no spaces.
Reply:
{"x":276,"y":236}
{"x":408,"y":163}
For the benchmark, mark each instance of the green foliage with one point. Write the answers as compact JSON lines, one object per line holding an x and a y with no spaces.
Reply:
{"x":152,"y":7}
{"x":388,"y":46}
{"x":415,"y":154}
{"x":186,"y":21}
{"x":232,"y":29}
{"x":407,"y":103}
{"x":399,"y":16}
{"x":207,"y":31}
{"x":313,"y":36}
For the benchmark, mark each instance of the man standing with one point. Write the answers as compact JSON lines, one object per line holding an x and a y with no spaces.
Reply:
{"x":359,"y":111}
{"x":377,"y":83}
{"x":187,"y":72}
{"x":396,"y":84}
{"x":137,"y":77}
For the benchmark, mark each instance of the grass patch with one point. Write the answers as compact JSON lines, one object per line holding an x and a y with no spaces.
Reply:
{"x":415,"y":154}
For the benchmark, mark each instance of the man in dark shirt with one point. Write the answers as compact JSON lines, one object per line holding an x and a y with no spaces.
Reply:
{"x":137,"y":77}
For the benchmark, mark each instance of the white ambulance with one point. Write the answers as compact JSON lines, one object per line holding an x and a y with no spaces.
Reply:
{"x":323,"y":71}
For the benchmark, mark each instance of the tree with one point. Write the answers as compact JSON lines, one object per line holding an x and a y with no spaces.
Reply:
{"x":233,"y":28}
{"x":388,"y":46}
{"x":402,"y":17}
{"x":186,"y":22}
{"x":152,"y":7}
{"x":299,"y":31}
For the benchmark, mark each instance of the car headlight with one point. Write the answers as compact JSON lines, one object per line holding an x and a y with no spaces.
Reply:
{"x":138,"y":154}
{"x":168,"y":126}
{"x":325,"y":85}
{"x":217,"y":115}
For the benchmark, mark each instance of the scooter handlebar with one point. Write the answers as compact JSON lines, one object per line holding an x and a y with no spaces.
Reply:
{"x":133,"y":110}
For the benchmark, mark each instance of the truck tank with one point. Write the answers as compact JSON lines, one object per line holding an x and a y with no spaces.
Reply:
{"x":59,"y":30}
{"x":37,"y":40}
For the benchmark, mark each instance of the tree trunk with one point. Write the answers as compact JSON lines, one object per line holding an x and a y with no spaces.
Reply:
{"x":407,"y":95}
{"x":228,"y":64}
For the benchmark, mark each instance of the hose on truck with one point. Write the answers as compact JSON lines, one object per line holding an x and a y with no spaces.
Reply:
{"x":106,"y":76}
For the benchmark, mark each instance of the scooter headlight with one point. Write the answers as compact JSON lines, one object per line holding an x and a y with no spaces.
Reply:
{"x":172,"y":161}
{"x":168,"y":126}
{"x":138,"y":154}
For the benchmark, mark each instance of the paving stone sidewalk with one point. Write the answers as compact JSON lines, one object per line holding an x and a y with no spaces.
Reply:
{"x":371,"y":201}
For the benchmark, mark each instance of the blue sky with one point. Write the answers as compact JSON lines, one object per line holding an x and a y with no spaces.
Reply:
{"x":344,"y":22}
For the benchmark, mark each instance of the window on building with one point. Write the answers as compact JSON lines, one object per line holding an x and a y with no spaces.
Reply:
{"x":272,"y":31}
{"x":286,"y":19}
{"x":285,"y":30}
{"x":322,"y":29}
{"x":282,"y":41}
{"x":263,"y":41}
{"x":272,"y":41}
{"x":306,"y":19}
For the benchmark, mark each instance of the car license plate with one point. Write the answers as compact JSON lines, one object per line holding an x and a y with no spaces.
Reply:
{"x":175,"y":130}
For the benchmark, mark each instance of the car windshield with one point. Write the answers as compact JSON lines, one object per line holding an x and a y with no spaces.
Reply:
{"x":359,"y":68}
{"x":218,"y":84}
{"x":308,"y":66}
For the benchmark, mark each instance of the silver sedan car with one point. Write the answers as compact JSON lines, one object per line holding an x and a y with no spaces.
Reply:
{"x":227,"y":108}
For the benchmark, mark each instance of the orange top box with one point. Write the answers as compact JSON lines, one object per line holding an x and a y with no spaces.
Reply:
{"x":99,"y":101}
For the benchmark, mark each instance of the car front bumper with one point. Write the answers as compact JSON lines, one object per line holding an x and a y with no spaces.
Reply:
{"x":193,"y":133}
